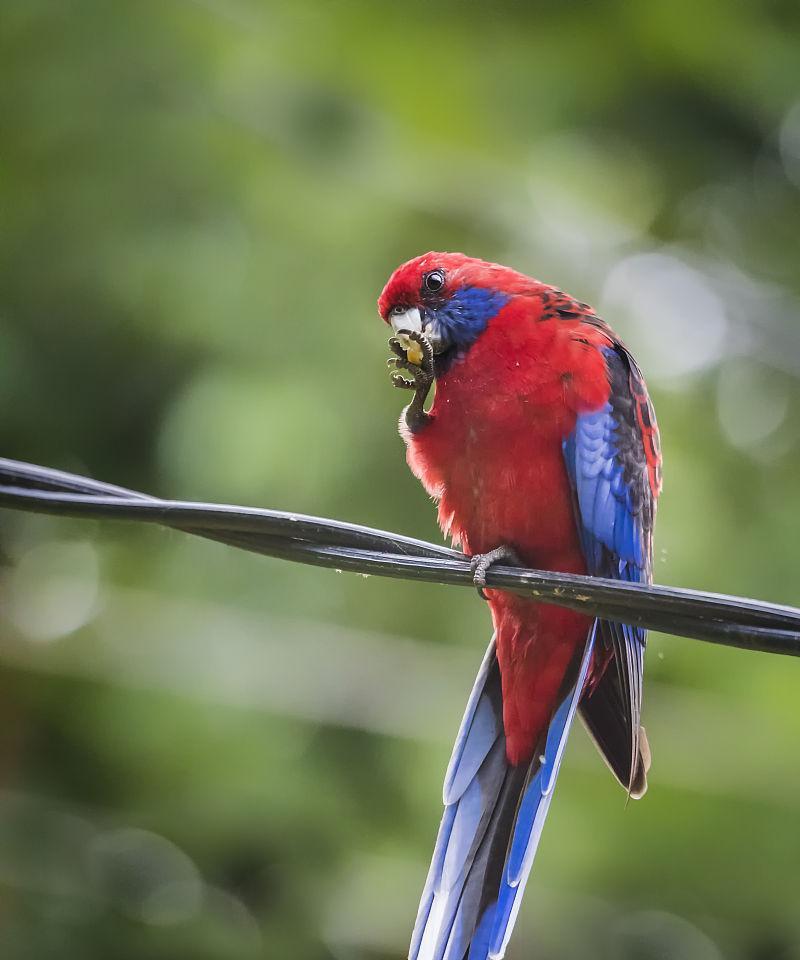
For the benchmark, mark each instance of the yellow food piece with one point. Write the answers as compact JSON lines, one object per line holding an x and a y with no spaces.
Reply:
{"x":412,"y":348}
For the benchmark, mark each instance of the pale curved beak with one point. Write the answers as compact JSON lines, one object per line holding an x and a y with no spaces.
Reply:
{"x":408,"y":322}
{"x":411,"y":322}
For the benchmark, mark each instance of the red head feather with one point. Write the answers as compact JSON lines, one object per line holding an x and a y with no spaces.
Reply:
{"x":405,"y":286}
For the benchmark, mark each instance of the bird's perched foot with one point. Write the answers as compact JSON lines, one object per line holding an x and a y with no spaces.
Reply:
{"x":480,"y":563}
{"x":414,"y":355}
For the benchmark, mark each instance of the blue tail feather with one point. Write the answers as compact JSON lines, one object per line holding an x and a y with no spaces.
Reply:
{"x":480,"y":728}
{"x":434,"y":872}
{"x":533,"y":811}
{"x":491,"y":826}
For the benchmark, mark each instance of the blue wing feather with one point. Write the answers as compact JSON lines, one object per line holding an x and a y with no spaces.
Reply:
{"x":608,"y":467}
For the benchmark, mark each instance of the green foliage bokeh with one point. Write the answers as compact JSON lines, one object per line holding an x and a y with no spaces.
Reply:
{"x":210,"y":755}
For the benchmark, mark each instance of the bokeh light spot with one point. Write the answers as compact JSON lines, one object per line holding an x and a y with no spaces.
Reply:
{"x":671,"y":311}
{"x":53,"y":590}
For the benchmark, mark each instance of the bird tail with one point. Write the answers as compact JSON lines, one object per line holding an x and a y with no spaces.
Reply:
{"x":493,"y":818}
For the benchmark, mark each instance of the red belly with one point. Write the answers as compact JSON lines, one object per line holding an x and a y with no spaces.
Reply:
{"x":492,"y":458}
{"x":499,"y":476}
{"x":493,"y":493}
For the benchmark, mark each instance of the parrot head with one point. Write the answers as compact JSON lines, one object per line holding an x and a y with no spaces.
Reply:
{"x":450,"y":298}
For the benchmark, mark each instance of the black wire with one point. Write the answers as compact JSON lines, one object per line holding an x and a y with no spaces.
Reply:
{"x":716,"y":618}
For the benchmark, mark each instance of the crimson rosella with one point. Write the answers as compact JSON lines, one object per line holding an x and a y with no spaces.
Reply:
{"x":541,"y":446}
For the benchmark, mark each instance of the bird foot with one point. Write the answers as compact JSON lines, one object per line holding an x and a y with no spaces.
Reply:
{"x":479,"y":565}
{"x":422,"y":374}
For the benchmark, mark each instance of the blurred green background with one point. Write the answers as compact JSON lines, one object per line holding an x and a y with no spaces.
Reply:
{"x":209,"y":755}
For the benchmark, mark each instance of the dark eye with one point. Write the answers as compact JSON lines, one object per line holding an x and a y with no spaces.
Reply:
{"x":398,"y":308}
{"x":433,"y":282}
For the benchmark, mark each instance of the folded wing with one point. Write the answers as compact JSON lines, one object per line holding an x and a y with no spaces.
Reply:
{"x":614,"y":463}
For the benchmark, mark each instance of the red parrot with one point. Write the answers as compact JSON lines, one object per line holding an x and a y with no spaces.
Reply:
{"x":541,"y":447}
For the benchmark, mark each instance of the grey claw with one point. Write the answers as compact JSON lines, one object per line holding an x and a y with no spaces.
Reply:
{"x":394,"y":346}
{"x":481,"y":562}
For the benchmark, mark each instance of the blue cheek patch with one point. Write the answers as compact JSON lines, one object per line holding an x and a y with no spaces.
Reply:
{"x":464,"y":317}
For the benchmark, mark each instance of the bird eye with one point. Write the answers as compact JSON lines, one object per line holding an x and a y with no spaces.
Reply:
{"x":397,"y":309}
{"x":433,"y":282}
